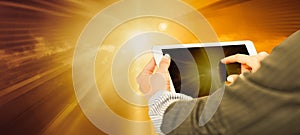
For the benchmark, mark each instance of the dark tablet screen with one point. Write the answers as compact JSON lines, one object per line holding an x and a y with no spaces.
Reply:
{"x":197,"y":71}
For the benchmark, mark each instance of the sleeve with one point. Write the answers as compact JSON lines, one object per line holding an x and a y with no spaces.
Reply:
{"x":159,"y":103}
{"x":264,"y":102}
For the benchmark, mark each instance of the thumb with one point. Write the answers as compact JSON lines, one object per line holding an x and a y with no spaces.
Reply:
{"x":164,"y":64}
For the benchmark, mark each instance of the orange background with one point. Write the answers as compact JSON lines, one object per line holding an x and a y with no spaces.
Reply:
{"x":37,"y":39}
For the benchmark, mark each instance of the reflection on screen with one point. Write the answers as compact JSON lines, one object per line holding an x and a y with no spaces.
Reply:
{"x":197,"y":71}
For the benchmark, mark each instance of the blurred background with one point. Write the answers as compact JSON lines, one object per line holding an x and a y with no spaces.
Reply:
{"x":37,"y":40}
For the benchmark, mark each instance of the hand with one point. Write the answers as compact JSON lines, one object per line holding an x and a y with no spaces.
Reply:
{"x":248,"y":63}
{"x":150,"y":82}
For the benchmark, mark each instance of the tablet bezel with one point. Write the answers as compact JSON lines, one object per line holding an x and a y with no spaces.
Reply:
{"x":158,"y":54}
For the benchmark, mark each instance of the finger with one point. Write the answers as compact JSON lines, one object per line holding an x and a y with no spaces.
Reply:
{"x":232,"y":78}
{"x":240,"y":58}
{"x":251,"y":61}
{"x":164,"y":64}
{"x":149,"y":68}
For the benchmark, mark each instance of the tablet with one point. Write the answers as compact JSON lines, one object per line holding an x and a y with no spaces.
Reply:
{"x":196,"y":70}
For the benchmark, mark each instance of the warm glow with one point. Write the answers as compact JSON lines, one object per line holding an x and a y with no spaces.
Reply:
{"x":116,"y":39}
{"x":37,"y":48}
{"x":163,"y":26}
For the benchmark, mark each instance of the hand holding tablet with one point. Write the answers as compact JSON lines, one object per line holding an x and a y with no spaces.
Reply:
{"x":248,"y":63}
{"x":151,"y":81}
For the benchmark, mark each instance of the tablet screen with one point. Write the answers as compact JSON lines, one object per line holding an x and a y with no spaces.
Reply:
{"x":195,"y":73}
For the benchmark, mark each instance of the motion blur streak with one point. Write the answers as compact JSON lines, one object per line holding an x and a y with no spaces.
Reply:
{"x":37,"y":40}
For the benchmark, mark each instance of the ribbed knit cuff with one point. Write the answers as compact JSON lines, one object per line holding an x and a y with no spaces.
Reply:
{"x":159,"y":103}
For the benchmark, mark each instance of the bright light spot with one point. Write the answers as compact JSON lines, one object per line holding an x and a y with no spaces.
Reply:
{"x":163,"y":26}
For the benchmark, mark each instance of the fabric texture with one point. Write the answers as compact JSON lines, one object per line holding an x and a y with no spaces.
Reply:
{"x":158,"y":105}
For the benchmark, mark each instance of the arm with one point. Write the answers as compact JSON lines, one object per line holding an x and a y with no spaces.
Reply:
{"x":264,"y":102}
{"x":155,"y":87}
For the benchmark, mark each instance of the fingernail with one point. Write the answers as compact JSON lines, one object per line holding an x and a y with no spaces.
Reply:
{"x":230,"y":79}
{"x":167,"y":56}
